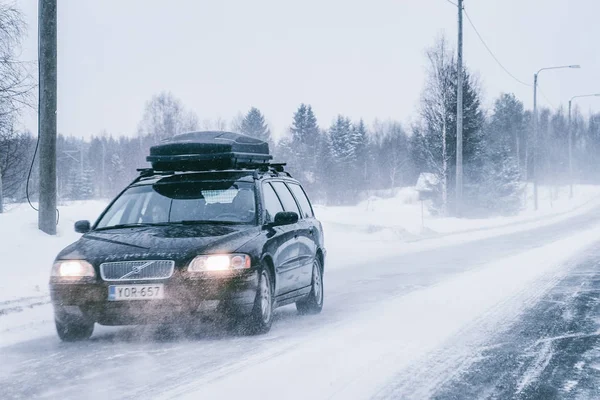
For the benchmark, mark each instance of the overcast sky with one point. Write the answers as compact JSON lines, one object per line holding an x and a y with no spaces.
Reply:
{"x":355,"y":57}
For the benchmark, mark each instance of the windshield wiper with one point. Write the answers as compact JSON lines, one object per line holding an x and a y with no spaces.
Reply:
{"x":192,"y":222}
{"x":136,"y":225}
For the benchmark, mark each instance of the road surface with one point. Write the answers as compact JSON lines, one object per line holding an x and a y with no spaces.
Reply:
{"x":540,"y":344}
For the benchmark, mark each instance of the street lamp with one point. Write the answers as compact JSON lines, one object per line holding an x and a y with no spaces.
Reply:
{"x":535,"y":135}
{"x":571,"y":141}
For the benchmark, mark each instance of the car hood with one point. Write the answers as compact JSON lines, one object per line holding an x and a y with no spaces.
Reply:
{"x":173,"y":242}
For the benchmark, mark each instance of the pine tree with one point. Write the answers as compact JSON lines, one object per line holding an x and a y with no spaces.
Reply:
{"x":323,"y":167}
{"x":304,"y":138}
{"x":361,"y":143}
{"x":312,"y":129}
{"x":254,"y":125}
{"x":116,"y":175}
{"x":305,"y":130}
{"x":507,"y":125}
{"x":298,"y":129}
{"x":434,"y":138}
{"x":342,"y":149}
{"x":284,"y":152}
{"x":589,"y":146}
{"x":87,"y":184}
{"x":74,"y":191}
{"x":499,"y":188}
{"x":342,"y":142}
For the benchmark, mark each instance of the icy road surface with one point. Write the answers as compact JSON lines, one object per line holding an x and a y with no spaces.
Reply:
{"x":463,"y":321}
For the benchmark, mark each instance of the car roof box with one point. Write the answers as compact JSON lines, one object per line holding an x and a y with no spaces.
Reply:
{"x":203,"y":151}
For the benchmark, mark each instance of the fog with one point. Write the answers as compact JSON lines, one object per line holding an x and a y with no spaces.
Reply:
{"x":360,"y":261}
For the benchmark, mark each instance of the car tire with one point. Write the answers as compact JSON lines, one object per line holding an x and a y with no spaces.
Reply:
{"x":261,"y":318}
{"x":74,"y":329}
{"x":313,"y":304}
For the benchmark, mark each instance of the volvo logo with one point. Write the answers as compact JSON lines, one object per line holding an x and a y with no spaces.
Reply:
{"x":136,"y":269}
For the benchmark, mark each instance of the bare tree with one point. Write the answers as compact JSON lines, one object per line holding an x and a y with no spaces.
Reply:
{"x":16,"y":83}
{"x":165,"y":116}
{"x":394,"y":149}
{"x":219,"y":124}
{"x":14,"y":160}
{"x":236,"y":122}
{"x":436,"y":113}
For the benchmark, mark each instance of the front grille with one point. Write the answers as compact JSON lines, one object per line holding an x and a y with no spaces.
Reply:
{"x":135,"y":270}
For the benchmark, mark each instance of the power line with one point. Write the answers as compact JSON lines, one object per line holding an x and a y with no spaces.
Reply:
{"x":491,"y":52}
{"x":498,"y":61}
{"x":545,"y":97}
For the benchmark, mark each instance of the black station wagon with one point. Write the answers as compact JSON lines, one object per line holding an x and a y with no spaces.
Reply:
{"x":213,"y":222}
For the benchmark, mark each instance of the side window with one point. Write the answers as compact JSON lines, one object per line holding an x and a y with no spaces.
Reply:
{"x":307,"y":210}
{"x":272,"y":204}
{"x":289,"y":204}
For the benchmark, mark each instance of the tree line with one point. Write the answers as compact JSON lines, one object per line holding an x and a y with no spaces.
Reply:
{"x":16,"y":88}
{"x":338,"y":161}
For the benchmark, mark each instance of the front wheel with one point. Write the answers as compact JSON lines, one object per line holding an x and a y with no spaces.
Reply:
{"x":261,"y":319}
{"x":74,"y":329}
{"x":313,"y":304}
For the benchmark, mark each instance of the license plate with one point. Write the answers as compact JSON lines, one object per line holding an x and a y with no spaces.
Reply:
{"x":136,"y":292}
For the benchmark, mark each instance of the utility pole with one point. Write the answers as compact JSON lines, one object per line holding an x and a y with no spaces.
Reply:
{"x":459,"y":114}
{"x":47,"y":115}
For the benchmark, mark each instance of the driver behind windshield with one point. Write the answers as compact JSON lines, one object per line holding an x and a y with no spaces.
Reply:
{"x":232,"y":202}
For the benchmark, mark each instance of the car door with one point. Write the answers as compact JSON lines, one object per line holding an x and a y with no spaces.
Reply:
{"x":308,"y":234}
{"x":300,"y":276}
{"x":281,"y":243}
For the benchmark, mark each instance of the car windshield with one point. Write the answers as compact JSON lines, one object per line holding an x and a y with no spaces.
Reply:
{"x":183,"y":202}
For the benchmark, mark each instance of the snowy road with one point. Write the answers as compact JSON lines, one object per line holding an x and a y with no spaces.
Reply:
{"x":551,"y":352}
{"x":406,"y":326}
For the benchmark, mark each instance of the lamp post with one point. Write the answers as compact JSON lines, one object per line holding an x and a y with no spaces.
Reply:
{"x":535,"y":135}
{"x":571,"y":141}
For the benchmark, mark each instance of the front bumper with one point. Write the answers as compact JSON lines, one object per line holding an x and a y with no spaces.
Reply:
{"x":184,"y":296}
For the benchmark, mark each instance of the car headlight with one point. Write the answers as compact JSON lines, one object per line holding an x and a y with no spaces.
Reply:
{"x":73,"y":269}
{"x":221,"y":262}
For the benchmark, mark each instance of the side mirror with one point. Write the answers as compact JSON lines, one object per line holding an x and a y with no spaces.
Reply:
{"x":285,"y":218}
{"x":82,"y":226}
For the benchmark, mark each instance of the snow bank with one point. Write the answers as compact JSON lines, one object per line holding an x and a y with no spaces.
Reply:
{"x":402,"y":212}
{"x":378,"y":228}
{"x":27,"y":253}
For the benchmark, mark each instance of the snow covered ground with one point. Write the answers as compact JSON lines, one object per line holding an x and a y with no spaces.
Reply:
{"x":399,"y":224}
{"x":403,"y":310}
{"x":28,"y":253}
{"x":382,"y":227}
